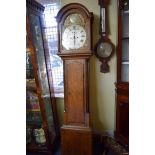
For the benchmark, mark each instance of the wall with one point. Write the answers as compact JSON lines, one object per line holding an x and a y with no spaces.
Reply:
{"x":102,"y":89}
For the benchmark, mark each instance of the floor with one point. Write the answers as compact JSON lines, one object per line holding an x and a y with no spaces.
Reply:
{"x":106,"y":146}
{"x":97,"y":150}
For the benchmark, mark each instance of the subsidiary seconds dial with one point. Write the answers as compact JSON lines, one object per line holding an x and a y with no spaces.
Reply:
{"x":73,"y":37}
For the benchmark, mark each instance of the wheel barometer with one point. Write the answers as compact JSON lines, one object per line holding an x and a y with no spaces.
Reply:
{"x":104,"y":48}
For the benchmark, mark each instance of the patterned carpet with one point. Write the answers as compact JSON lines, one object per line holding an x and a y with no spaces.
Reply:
{"x":111,"y":147}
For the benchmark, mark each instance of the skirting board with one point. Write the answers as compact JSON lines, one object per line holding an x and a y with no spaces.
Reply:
{"x":109,"y":133}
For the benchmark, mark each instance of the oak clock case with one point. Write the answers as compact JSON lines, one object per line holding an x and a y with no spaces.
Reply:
{"x":122,"y":84}
{"x":74,"y":42}
{"x":40,"y":118}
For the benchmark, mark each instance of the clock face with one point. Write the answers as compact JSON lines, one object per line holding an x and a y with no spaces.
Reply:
{"x":74,"y":34}
{"x":74,"y":37}
{"x":104,"y":49}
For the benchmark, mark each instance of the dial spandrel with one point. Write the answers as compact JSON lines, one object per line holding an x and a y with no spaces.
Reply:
{"x":74,"y":18}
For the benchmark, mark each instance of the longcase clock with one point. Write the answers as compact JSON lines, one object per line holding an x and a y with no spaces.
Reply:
{"x":74,"y":40}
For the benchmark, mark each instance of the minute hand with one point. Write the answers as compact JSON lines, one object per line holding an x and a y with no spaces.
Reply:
{"x":74,"y":39}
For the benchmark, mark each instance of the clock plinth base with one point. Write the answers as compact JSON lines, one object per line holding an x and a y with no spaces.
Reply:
{"x":76,"y":140}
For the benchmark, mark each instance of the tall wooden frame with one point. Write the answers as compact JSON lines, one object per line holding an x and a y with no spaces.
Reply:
{"x":76,"y":134}
{"x":122,"y":84}
{"x":35,"y":42}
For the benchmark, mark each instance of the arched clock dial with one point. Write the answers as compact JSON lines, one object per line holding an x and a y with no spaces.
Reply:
{"x":74,"y":34}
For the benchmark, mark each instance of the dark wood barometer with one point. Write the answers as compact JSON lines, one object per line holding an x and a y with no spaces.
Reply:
{"x":104,"y":48}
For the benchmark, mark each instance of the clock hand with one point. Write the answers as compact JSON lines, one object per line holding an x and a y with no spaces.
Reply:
{"x":74,"y":38}
{"x":74,"y":35}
